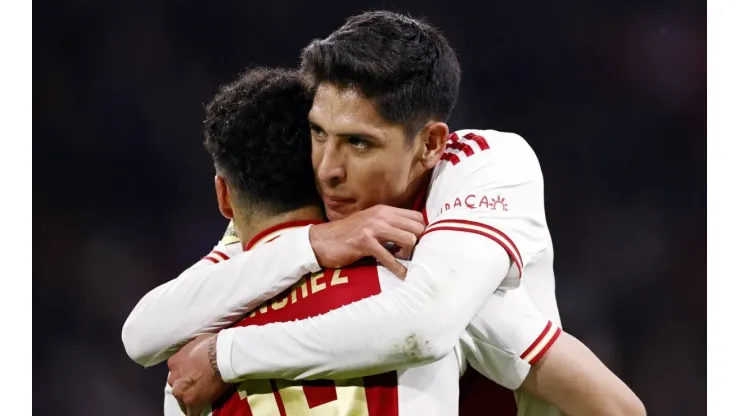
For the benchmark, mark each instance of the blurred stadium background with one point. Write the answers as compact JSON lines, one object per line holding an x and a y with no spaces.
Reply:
{"x":611,"y":95}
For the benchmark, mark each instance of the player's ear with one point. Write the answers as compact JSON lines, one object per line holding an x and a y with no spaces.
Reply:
{"x":223,"y":196}
{"x":434,"y":138}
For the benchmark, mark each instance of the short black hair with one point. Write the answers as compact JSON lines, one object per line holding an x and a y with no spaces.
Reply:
{"x":403,"y":64}
{"x":256,"y":130}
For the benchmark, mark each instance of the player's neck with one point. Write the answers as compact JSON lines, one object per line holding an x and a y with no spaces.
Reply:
{"x":256,"y":223}
{"x":413,"y":197}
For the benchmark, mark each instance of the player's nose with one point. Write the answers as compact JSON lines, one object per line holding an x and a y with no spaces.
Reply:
{"x":331,"y":169}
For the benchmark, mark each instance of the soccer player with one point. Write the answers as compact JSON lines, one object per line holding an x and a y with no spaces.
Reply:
{"x":384,"y":86}
{"x":262,"y":158}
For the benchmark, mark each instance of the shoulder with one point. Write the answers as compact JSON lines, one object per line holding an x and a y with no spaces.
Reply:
{"x":487,"y":141}
{"x":471,"y":153}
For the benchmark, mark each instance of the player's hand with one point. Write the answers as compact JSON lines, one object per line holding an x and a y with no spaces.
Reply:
{"x":367,"y":234}
{"x":194,"y":377}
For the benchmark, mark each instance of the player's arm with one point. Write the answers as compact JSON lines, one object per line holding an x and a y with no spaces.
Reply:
{"x":213,"y":294}
{"x":462,"y":258}
{"x":513,"y":344}
{"x":417,"y":322}
{"x":507,"y":337}
{"x":572,"y":378}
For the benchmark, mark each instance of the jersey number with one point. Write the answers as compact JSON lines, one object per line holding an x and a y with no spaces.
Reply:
{"x":321,"y":398}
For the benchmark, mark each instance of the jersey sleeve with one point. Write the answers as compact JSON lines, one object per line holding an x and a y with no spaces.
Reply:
{"x":213,"y":294}
{"x":468,"y":251}
{"x":229,"y":246}
{"x":414,"y":323}
{"x":507,"y":337}
{"x":490,"y":183}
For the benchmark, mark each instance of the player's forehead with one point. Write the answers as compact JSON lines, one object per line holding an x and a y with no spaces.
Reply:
{"x":345,"y":111}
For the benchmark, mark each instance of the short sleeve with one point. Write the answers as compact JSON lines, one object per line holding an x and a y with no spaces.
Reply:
{"x":507,"y":337}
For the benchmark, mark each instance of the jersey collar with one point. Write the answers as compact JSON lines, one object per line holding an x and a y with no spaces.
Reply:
{"x":269,"y":234}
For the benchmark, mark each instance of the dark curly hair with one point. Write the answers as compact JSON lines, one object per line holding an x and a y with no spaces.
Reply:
{"x":256,"y":131}
{"x":404,"y":65}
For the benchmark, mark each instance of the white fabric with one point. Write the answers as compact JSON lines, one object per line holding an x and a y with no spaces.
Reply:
{"x":500,"y":184}
{"x":432,"y":389}
{"x":494,"y":199}
{"x":412,"y":324}
{"x":467,"y":252}
{"x":208,"y":297}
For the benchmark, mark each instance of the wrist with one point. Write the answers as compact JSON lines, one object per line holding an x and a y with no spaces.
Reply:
{"x":223,"y":342}
{"x":213,"y":355}
{"x":316,"y":237}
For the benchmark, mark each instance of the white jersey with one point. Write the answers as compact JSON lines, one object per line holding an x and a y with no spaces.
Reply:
{"x":487,"y":232}
{"x":497,"y":176}
{"x":430,"y":389}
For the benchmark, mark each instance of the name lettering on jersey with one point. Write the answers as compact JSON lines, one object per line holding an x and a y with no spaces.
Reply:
{"x":473,"y":201}
{"x":308,"y":285}
{"x":458,"y":148}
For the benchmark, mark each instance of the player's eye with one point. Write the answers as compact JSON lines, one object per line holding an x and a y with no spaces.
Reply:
{"x":358,"y":142}
{"x":317,"y":133}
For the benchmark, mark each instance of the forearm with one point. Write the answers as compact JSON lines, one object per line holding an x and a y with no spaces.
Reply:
{"x":206,"y":299}
{"x":415,"y":323}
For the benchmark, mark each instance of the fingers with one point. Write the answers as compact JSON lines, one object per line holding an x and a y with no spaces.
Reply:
{"x":193,"y":410}
{"x":405,"y":213}
{"x":171,"y":378}
{"x":402,"y":239}
{"x":385,"y":258}
{"x":183,"y":407}
{"x":180,"y":387}
{"x":404,"y":253}
{"x":402,"y":228}
{"x":402,"y":223}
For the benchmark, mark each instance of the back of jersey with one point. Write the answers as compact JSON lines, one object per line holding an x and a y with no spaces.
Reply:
{"x":426,"y":390}
{"x":431,"y":389}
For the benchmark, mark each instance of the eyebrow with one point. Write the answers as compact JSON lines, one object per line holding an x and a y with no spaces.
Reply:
{"x":361,"y":135}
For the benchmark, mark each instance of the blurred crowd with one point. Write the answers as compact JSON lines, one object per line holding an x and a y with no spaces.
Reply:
{"x":611,"y":95}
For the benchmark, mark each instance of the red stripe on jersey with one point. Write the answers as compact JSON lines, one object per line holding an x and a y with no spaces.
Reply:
{"x":544,"y":349}
{"x":454,"y":143}
{"x":265,"y":233}
{"x":537,"y":341}
{"x":488,"y":227}
{"x":319,"y":392}
{"x":381,"y":393}
{"x":451,"y":158}
{"x":278,"y":399}
{"x":223,"y":255}
{"x":211,"y":259}
{"x":484,"y":234}
{"x":482,"y":143}
{"x":462,"y":146}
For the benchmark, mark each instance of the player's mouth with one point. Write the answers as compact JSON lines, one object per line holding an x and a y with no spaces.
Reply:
{"x":337,"y":203}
